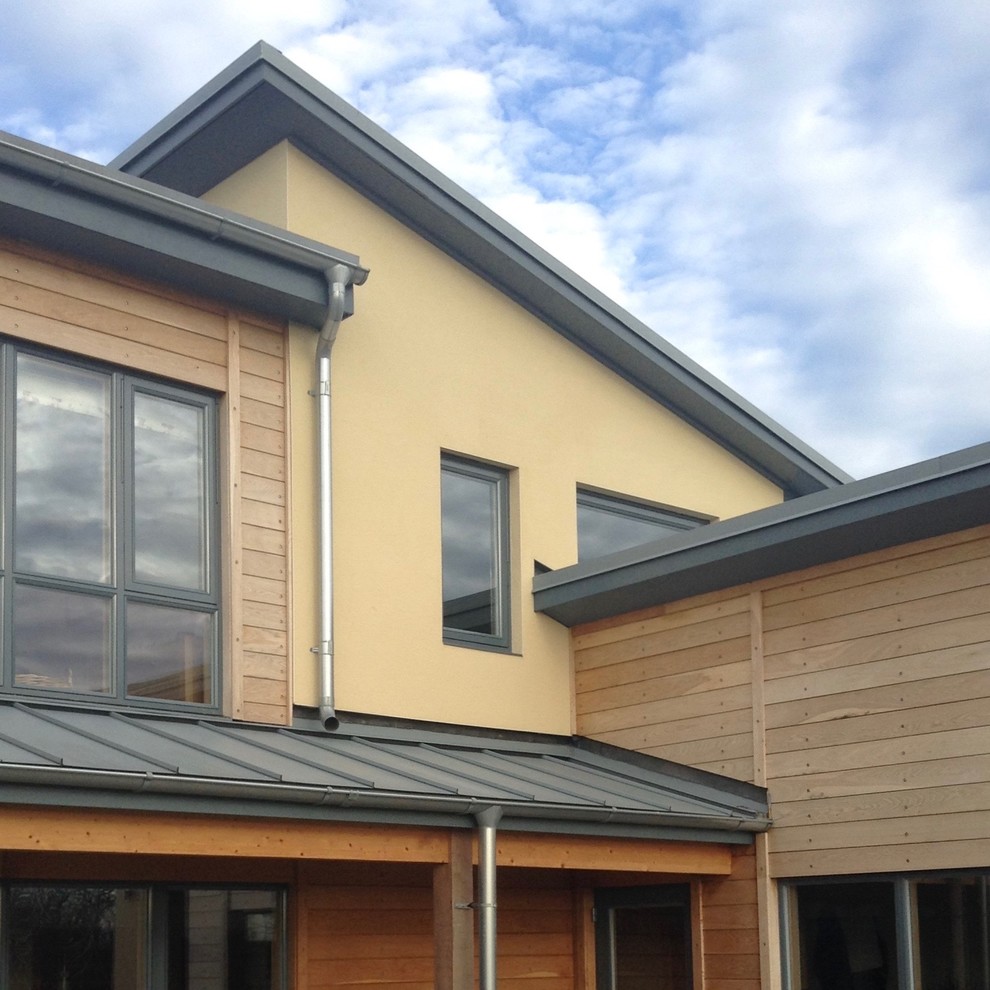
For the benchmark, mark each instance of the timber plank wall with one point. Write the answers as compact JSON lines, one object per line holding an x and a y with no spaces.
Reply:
{"x":858,"y":692}
{"x":96,"y":313}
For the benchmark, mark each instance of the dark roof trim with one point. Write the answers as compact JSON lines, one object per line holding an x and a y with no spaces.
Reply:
{"x":934,"y":497}
{"x":94,"y":757}
{"x":263,"y":98}
{"x":66,"y":204}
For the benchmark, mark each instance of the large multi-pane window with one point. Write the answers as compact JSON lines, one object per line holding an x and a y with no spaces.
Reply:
{"x":475,"y":549}
{"x":141,"y":938}
{"x":925,"y":932}
{"x":108,"y":566}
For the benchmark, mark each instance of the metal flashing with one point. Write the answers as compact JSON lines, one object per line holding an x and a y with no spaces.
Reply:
{"x":97,"y":758}
{"x":262,"y":99}
{"x":931,"y":498}
{"x":98,"y":214}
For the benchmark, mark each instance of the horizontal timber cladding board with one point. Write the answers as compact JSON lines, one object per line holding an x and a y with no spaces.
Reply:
{"x":874,"y":780}
{"x":877,"y":673}
{"x":45,"y":829}
{"x":660,"y":711}
{"x":668,"y":685}
{"x":943,"y":633}
{"x":94,"y":344}
{"x":953,"y":855}
{"x":888,"y":697}
{"x":705,"y":608}
{"x":883,"y":805}
{"x":95,"y":284}
{"x":859,"y":724}
{"x":886,"y":832}
{"x":577,"y":852}
{"x":881,"y":753}
{"x":590,"y":679}
{"x":905,"y":588}
{"x":888,"y":618}
{"x":684,"y":730}
{"x":698,"y":632}
{"x":705,"y":751}
{"x":121,"y":325}
{"x":884,"y":565}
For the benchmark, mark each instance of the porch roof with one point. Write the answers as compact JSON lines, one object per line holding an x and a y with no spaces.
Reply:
{"x":382,"y":772}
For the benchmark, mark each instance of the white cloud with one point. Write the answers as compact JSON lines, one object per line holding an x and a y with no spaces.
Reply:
{"x":795,"y":193}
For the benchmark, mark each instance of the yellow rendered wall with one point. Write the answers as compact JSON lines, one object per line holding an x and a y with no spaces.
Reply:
{"x":435,"y":359}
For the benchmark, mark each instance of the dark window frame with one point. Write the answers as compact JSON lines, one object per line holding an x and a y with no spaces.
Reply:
{"x":500,"y":606}
{"x":123,"y":587}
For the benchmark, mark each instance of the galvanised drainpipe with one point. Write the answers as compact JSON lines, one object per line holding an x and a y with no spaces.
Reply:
{"x":486,"y":904}
{"x":338,"y":278}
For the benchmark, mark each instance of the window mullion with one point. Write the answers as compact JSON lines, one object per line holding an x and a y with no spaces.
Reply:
{"x":122,"y":516}
{"x":6,"y":515}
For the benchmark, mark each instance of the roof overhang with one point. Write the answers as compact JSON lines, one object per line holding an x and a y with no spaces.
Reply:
{"x":934,"y":497}
{"x":392,"y":774}
{"x":96,"y":214}
{"x":263,"y":99}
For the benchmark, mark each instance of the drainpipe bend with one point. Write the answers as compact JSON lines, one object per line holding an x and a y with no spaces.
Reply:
{"x":486,"y":903}
{"x":338,"y":278}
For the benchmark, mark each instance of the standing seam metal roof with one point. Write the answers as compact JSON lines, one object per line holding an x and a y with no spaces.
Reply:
{"x":104,"y":758}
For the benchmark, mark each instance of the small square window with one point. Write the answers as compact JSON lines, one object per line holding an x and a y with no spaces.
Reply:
{"x":475,"y":549}
{"x":609,"y":523}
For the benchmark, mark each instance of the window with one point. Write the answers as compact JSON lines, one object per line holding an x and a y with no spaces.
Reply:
{"x":108,"y":566}
{"x":643,"y":938}
{"x":608,"y":523}
{"x":475,"y":549}
{"x":121,"y":938}
{"x":930,"y":932}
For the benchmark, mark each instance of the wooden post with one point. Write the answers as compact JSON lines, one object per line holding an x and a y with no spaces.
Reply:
{"x":453,"y":918}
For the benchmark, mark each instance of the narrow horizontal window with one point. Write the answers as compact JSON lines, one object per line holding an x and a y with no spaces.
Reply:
{"x":609,"y":523}
{"x":474,"y":538}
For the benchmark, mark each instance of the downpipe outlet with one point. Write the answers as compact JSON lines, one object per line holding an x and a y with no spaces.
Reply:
{"x":338,"y":278}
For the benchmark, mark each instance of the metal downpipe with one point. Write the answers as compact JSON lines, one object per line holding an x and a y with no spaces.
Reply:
{"x":338,"y":278}
{"x":487,"y":901}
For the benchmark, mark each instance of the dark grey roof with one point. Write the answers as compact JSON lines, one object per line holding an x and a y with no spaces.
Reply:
{"x":263,"y":98}
{"x":392,"y":773}
{"x":938,"y":496}
{"x":99,"y":214}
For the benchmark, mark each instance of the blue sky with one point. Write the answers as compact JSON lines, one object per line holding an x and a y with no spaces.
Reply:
{"x":794,"y":193}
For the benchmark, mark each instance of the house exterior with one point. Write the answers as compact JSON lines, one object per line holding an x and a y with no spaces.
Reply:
{"x":384,"y":606}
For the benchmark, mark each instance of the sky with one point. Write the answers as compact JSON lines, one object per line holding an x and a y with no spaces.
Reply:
{"x":795,"y":193}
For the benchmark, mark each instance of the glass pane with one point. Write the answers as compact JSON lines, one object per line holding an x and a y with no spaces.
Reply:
{"x":82,"y":938}
{"x":607,"y":528}
{"x":650,"y":948}
{"x":61,"y":640}
{"x":169,"y":653}
{"x":953,"y":938}
{"x":847,"y":936}
{"x":470,"y":552}
{"x":224,"y":938}
{"x":170,"y":493}
{"x":62,"y":484}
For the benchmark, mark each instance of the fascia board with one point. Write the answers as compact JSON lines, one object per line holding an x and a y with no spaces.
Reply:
{"x":929,"y":499}
{"x":66,"y":204}
{"x":263,"y":98}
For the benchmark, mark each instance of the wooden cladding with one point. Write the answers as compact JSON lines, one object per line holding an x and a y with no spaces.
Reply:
{"x":857,"y":692}
{"x":101,"y":315}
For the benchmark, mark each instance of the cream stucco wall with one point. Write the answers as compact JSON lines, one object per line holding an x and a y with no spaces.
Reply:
{"x":435,"y":359}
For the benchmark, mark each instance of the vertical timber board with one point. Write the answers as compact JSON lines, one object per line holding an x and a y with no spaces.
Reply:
{"x":233,"y":543}
{"x":585,"y":973}
{"x":453,"y":919}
